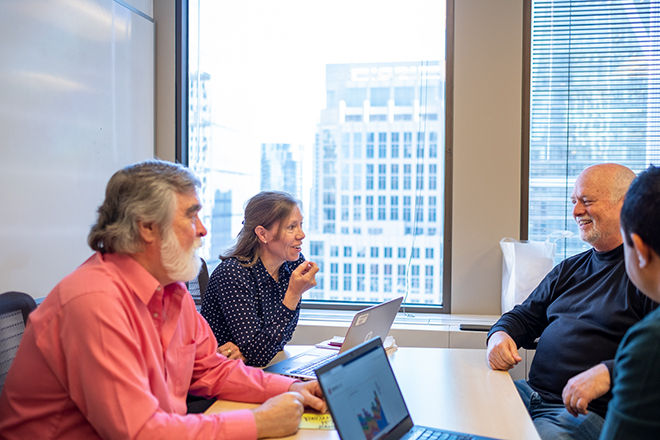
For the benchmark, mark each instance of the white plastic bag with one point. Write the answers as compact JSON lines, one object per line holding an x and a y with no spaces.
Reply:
{"x":524,"y":264}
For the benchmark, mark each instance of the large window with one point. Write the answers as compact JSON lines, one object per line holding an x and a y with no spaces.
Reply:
{"x":340,"y":104}
{"x":595,"y":97}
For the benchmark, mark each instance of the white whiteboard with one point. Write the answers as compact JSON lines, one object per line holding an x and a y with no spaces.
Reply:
{"x":76,"y":104}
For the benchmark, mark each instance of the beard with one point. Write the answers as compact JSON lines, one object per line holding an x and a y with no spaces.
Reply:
{"x":591,"y":235}
{"x":180,"y":264}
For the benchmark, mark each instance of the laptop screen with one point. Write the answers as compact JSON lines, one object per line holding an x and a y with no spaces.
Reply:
{"x":363,"y":394}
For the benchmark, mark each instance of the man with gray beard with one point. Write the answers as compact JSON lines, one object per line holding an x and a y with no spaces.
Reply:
{"x":116,"y":347}
{"x":579,"y":312}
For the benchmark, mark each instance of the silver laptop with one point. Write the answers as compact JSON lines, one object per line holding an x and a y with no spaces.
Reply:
{"x":366,"y":402}
{"x":371,"y":322}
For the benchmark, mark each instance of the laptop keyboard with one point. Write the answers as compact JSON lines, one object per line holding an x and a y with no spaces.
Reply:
{"x":308,"y":370}
{"x":423,"y":433}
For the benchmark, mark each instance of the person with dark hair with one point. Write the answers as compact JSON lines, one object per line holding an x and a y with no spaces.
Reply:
{"x":579,"y":312}
{"x":253,"y":298}
{"x":115,"y":348}
{"x":635,"y":405}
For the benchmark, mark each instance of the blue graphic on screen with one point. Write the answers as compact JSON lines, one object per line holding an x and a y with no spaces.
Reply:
{"x":374,"y":421}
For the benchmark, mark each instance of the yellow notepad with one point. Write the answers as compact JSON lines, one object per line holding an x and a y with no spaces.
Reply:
{"x":316,"y":421}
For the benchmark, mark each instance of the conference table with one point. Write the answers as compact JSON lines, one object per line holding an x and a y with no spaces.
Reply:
{"x":447,"y":388}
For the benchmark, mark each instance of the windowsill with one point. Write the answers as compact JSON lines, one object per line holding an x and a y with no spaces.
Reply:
{"x":403,"y":320}
{"x":409,"y":329}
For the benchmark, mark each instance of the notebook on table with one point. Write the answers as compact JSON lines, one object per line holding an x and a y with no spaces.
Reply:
{"x":366,"y":402}
{"x":374,"y":321}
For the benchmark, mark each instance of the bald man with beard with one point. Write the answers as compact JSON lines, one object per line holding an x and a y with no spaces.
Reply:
{"x":579,"y":312}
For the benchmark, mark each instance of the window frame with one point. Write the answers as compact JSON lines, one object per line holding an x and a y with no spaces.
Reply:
{"x":182,"y":81}
{"x":526,"y":122}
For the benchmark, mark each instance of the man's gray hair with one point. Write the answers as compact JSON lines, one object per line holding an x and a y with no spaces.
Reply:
{"x":143,"y":192}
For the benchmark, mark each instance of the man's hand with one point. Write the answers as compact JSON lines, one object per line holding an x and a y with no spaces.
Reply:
{"x":312,"y":394}
{"x":231,"y":351}
{"x":302,"y":279}
{"x":581,"y":389}
{"x":279,"y":416}
{"x":502,"y":352}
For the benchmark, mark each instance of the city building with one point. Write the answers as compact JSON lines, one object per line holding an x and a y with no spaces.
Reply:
{"x":222,"y":237}
{"x":281,"y":168}
{"x":377,"y":198}
{"x":199,"y":115}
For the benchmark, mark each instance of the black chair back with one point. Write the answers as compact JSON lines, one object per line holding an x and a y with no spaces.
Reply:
{"x":14,"y":310}
{"x":197,"y":287}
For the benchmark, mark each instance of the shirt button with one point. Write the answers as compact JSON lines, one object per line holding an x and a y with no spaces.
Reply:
{"x":158,"y":288}
{"x":155,"y":315}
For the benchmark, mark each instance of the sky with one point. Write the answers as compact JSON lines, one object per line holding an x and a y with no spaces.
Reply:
{"x":267,"y":65}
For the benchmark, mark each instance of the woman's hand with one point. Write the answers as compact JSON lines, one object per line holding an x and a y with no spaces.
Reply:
{"x":302,"y":279}
{"x":231,"y":351}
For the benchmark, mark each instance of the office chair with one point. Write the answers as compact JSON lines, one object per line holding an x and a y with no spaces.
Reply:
{"x":197,"y":287}
{"x":14,"y":310}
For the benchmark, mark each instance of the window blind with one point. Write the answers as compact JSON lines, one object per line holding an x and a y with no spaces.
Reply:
{"x":595,"y":98}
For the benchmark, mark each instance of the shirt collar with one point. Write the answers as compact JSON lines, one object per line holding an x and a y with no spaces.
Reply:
{"x":138,"y":278}
{"x":611,"y":255}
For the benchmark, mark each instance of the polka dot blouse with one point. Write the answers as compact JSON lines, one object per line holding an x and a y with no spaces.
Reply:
{"x":244,"y":305}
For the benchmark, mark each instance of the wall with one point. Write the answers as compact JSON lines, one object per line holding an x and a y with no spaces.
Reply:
{"x":487,"y":146}
{"x":164,"y":13}
{"x":76,"y":104}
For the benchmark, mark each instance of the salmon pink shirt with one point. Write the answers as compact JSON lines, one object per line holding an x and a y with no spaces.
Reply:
{"x":111,"y":353}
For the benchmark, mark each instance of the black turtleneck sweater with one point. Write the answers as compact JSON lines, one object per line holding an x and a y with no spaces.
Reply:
{"x":579,"y":312}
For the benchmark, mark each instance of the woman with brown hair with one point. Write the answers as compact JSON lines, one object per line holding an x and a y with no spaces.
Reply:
{"x":253,"y":299}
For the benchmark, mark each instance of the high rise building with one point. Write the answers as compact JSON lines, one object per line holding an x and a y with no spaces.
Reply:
{"x":377,"y":198}
{"x":222,"y":238}
{"x":281,"y":168}
{"x":198,"y":148}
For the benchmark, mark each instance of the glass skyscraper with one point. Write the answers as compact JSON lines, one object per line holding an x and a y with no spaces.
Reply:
{"x":377,"y":196}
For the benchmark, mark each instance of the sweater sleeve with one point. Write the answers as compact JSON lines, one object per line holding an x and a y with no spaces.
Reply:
{"x":527,"y":321}
{"x":633,"y":410}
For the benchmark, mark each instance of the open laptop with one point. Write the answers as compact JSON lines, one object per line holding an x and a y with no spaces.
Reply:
{"x":374,"y":321}
{"x":365,"y":399}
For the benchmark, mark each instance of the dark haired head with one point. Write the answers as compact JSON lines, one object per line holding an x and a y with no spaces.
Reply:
{"x":641,"y":209}
{"x":264,"y":209}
